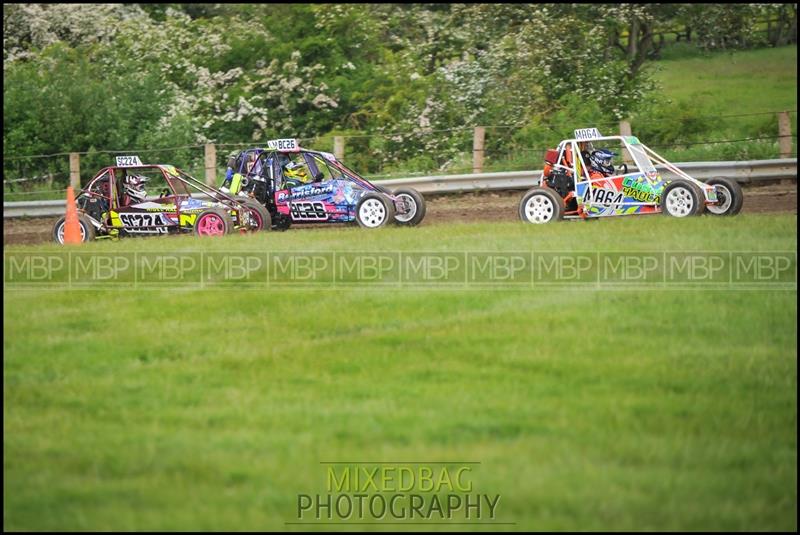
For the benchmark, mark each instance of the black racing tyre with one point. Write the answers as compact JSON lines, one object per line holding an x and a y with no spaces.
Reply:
{"x":729,"y":194}
{"x":417,"y":201}
{"x":701,"y":206}
{"x":541,"y":205}
{"x":88,"y":232}
{"x":281,"y":222}
{"x":260,"y":218}
{"x":682,"y":198}
{"x":374,"y":210}
{"x":213,"y":222}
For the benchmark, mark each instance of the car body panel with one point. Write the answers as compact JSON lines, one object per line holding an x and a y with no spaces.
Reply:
{"x":332,"y":201}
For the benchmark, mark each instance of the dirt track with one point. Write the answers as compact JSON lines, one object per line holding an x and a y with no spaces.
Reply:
{"x":497,"y":206}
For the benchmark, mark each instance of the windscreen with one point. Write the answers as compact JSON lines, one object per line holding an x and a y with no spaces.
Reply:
{"x":640,"y":157}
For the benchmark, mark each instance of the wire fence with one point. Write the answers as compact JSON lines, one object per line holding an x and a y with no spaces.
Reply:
{"x":378,"y":155}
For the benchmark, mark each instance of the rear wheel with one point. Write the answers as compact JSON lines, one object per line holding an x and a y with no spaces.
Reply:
{"x":88,"y":231}
{"x":281,"y":222}
{"x":729,"y":194}
{"x":682,"y":198}
{"x":541,"y":205}
{"x":259,"y":215}
{"x":415,"y":201}
{"x":213,"y":222}
{"x":374,"y":210}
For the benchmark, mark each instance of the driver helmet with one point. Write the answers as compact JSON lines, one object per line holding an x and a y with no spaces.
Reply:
{"x":295,"y":172}
{"x":134,"y":187}
{"x":601,"y":160}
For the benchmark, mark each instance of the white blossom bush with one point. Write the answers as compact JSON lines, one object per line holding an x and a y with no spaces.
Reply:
{"x":28,"y":28}
{"x":274,"y":98}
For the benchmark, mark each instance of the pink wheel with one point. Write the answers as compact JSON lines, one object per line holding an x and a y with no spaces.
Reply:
{"x":211,"y":223}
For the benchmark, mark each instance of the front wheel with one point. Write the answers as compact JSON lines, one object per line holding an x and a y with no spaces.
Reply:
{"x":213,"y":222}
{"x":729,"y":196}
{"x":374,"y":210}
{"x":682,"y":198}
{"x":416,"y":203}
{"x":88,"y":231}
{"x":541,"y":205}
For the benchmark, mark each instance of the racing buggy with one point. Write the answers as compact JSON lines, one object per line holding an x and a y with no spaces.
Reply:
{"x":116,"y":203}
{"x":579,"y":181}
{"x":298,"y":185}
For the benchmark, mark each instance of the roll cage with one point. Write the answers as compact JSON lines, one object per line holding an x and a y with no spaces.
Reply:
{"x":180,"y":183}
{"x":268,"y":164}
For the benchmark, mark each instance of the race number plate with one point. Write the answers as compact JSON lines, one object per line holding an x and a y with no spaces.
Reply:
{"x":288,"y":145}
{"x":128,"y":161}
{"x":582,"y":134}
{"x":308,"y":211}
{"x":137,"y":222}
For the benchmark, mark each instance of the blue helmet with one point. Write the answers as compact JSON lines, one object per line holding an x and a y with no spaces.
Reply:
{"x":601,"y":160}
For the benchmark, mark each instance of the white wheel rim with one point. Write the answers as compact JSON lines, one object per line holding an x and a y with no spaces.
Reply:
{"x":403,"y":218}
{"x":727,"y":200}
{"x":61,"y":232}
{"x":680,"y":202}
{"x":539,"y":209}
{"x":372,"y":213}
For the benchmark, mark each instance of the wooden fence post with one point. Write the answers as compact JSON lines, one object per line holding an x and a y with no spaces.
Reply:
{"x":478,"y":138}
{"x":75,"y":170}
{"x":338,"y":147}
{"x":785,"y":139}
{"x":211,"y":165}
{"x":625,"y":130}
{"x":784,"y":134}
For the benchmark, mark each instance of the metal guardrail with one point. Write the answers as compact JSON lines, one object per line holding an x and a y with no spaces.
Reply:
{"x":744,"y":172}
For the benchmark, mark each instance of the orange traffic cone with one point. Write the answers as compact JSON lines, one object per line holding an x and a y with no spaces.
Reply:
{"x":72,"y":228}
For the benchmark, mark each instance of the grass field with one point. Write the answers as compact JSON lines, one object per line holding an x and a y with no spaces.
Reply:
{"x":744,"y":81}
{"x":722,"y":96}
{"x":199,"y":409}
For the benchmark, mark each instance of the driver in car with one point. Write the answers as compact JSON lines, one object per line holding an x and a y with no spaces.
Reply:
{"x":134,"y":190}
{"x":295,"y":174}
{"x":600,"y":164}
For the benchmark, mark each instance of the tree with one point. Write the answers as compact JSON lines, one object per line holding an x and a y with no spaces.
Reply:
{"x":781,"y":23}
{"x":632,"y":29}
